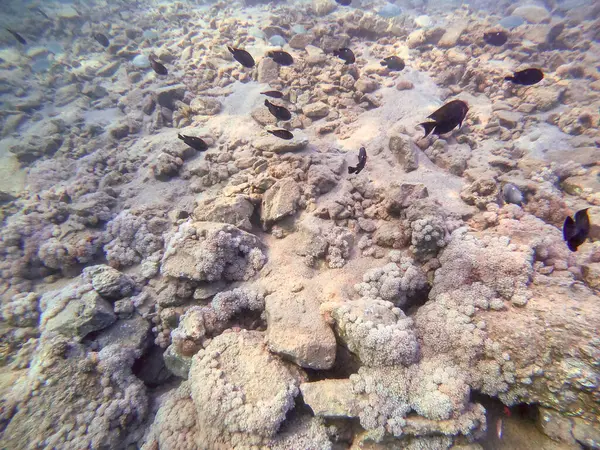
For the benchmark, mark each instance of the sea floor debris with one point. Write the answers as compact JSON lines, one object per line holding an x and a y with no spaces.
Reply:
{"x":187,"y":265}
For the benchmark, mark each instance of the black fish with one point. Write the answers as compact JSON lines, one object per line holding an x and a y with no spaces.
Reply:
{"x":393,"y":63}
{"x":495,"y":38}
{"x":39,"y":10}
{"x":446,"y":118}
{"x":343,"y":2}
{"x":101,"y":39}
{"x":242,"y":56}
{"x":575,"y":232}
{"x":346,"y":54}
{"x":195,"y":142}
{"x":362,"y":160}
{"x":526,"y":77}
{"x":281,"y":57}
{"x":283,"y":134}
{"x":157,"y":67}
{"x":274,"y":94}
{"x":17,"y":36}
{"x":278,"y":111}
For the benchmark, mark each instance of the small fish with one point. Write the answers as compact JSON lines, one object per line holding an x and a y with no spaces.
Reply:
{"x":195,"y":142}
{"x":362,"y":160}
{"x":283,"y":134}
{"x":157,"y":67}
{"x":281,"y":57}
{"x":346,"y":54}
{"x":526,"y":77}
{"x":40,"y":11}
{"x":17,"y":36}
{"x":393,"y":63}
{"x":446,"y":118}
{"x":343,"y":2}
{"x":512,"y":194}
{"x":101,"y":39}
{"x":274,"y":94}
{"x":495,"y":38}
{"x":242,"y":56}
{"x":575,"y":232}
{"x":278,"y":111}
{"x":499,"y":428}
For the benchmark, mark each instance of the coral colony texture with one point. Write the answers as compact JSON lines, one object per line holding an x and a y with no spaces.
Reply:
{"x":186,"y":266}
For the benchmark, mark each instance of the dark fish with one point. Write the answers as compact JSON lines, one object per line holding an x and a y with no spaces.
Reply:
{"x":526,"y":77}
{"x":274,"y":94}
{"x":195,"y":142}
{"x":278,"y":111}
{"x":39,"y":10}
{"x":283,"y":134}
{"x":242,"y":56}
{"x":281,"y":57}
{"x":362,"y":160}
{"x":495,"y":38}
{"x":101,"y":39}
{"x":575,"y":232}
{"x":446,"y":118}
{"x":157,"y":67}
{"x":393,"y":63}
{"x":346,"y":54}
{"x":343,"y":2}
{"x":17,"y":36}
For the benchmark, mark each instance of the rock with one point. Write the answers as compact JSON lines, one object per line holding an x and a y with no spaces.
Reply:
{"x":322,"y":178}
{"x":404,"y":85}
{"x":280,"y":200}
{"x":480,"y":193}
{"x":207,"y":106}
{"x":274,"y":144}
{"x":297,"y":331}
{"x":405,"y":151}
{"x":81,"y":316}
{"x":263,"y":117}
{"x":532,"y":13}
{"x":166,"y":166}
{"x":141,"y":62}
{"x":316,"y":110}
{"x":235,"y":210}
{"x":6,"y":197}
{"x":133,"y":333}
{"x":108,"y":282}
{"x":151,"y":368}
{"x":367,"y":225}
{"x":268,"y":70}
{"x":166,"y":96}
{"x":211,"y":251}
{"x":109,"y":69}
{"x":300,"y":41}
{"x":119,"y":130}
{"x":366,"y":85}
{"x":400,"y":196}
{"x":591,"y":274}
{"x":36,"y":148}
{"x":452,"y":35}
{"x":509,"y":119}
{"x":330,"y":398}
{"x":323,"y":7}
{"x":330,"y":43}
{"x":66,"y":95}
{"x":545,"y":98}
{"x":178,"y":365}
{"x":12,"y":122}
{"x":586,"y":433}
{"x":94,"y":91}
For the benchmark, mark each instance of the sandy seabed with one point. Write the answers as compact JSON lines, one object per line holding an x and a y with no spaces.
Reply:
{"x":256,"y":294}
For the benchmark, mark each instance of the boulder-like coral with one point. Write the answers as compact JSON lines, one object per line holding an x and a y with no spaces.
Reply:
{"x":429,"y":227}
{"x":392,"y":282}
{"x":241,"y":391}
{"x":109,"y":283}
{"x":235,"y":210}
{"x":379,"y":333}
{"x":22,"y":310}
{"x":207,"y":251}
{"x":132,"y":238}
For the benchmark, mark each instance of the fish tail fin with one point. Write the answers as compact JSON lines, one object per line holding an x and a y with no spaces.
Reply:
{"x":511,"y":78}
{"x":180,"y":136}
{"x":428,"y":126}
{"x":352,"y":169}
{"x":572,"y":247}
{"x":382,"y":63}
{"x":267,"y":103}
